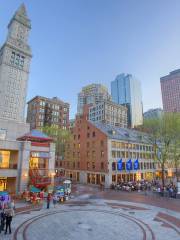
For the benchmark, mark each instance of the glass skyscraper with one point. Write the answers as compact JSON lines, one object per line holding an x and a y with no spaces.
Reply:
{"x":126,"y":90}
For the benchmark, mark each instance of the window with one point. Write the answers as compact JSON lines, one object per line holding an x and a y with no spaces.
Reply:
{"x":88,"y":165}
{"x":102,"y":153}
{"x":17,"y":59}
{"x":113,"y":166}
{"x":113,"y":154}
{"x":87,"y":154}
{"x":93,"y":165}
{"x":74,"y":137}
{"x":102,"y":143}
{"x":102,"y":165}
{"x":79,"y":136}
{"x":93,"y":154}
{"x":88,"y":135}
{"x":87,"y":144}
{"x":78,"y":164}
{"x":93,"y":134}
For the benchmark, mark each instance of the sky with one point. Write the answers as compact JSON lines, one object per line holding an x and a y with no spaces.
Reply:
{"x":79,"y":42}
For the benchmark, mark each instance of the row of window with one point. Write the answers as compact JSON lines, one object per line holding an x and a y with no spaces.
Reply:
{"x":53,"y":106}
{"x":89,"y":165}
{"x":131,"y":146}
{"x":125,"y":154}
{"x":17,"y":59}
{"x":88,"y":135}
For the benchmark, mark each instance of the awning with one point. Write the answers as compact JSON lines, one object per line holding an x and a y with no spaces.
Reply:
{"x":34,"y":189}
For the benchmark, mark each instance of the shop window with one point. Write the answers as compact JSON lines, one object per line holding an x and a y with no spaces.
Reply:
{"x":4,"y":159}
{"x":113,"y":178}
{"x":102,"y":178}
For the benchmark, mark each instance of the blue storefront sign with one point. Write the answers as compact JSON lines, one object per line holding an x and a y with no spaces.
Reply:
{"x":119,"y":165}
{"x":136,"y":164}
{"x":129,"y":165}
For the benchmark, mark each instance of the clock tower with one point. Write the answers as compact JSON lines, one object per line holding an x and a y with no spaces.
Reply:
{"x":15,"y":57}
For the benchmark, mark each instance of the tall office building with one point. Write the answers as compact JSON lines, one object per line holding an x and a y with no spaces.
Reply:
{"x":92,"y":94}
{"x":126,"y":90}
{"x":15,"y":57}
{"x":170,"y":88}
{"x":44,"y":111}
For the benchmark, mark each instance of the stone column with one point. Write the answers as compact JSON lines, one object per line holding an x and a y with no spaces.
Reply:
{"x":23,"y":166}
{"x":52,"y":162}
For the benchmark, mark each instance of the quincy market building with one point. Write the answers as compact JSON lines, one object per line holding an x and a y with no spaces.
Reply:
{"x":100,"y":153}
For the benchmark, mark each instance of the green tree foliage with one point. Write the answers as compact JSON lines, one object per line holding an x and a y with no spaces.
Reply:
{"x":60,"y":136}
{"x":165,"y":137}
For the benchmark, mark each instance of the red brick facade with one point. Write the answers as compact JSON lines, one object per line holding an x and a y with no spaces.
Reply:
{"x":87,"y":150}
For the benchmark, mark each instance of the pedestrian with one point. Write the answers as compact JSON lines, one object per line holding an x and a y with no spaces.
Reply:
{"x":55,"y":200}
{"x":2,"y":217}
{"x":9,"y":215}
{"x":48,"y":200}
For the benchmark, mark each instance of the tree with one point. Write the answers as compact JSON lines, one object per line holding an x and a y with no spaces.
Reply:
{"x":60,"y":136}
{"x":162,"y":136}
{"x":174,"y":154}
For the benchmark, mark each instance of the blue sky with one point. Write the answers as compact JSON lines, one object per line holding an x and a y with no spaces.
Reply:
{"x":77,"y":42}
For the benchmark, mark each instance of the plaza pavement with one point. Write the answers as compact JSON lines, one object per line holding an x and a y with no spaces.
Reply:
{"x":100,"y":215}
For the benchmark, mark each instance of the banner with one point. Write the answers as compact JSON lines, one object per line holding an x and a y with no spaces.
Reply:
{"x":129,"y":165}
{"x":119,"y":165}
{"x":136,"y":164}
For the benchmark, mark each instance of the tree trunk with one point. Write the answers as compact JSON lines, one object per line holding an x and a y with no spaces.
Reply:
{"x":163,"y":175}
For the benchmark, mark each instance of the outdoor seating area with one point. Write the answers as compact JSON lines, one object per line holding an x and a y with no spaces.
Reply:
{"x":154,"y":187}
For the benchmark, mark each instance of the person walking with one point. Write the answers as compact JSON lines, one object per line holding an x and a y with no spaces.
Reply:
{"x":9,"y":215}
{"x":2,"y":219}
{"x":55,"y":199}
{"x":48,"y":200}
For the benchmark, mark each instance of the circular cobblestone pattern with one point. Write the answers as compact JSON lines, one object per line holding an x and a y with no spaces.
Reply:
{"x":77,"y":225}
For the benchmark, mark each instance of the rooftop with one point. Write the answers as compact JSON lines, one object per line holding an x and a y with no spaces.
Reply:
{"x":35,"y":135}
{"x":124,"y":134}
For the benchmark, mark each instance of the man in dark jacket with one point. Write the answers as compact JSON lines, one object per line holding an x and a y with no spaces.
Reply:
{"x":9,"y":215}
{"x":2,"y":219}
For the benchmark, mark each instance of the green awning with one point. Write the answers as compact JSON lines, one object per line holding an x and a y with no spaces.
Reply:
{"x":34,"y":189}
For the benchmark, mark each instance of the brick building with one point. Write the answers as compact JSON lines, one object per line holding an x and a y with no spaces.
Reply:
{"x":93,"y":154}
{"x":45,"y":111}
{"x":170,"y":88}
